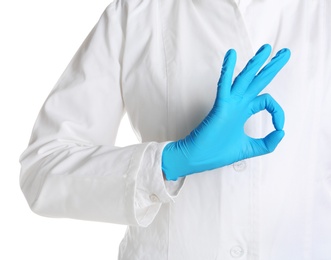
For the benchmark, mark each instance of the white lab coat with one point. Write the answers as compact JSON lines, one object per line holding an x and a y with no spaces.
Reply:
{"x":159,"y":61}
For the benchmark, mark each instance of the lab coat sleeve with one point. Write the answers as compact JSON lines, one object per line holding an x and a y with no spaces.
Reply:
{"x":71,"y":167}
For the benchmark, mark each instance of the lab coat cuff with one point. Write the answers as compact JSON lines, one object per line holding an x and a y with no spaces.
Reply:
{"x":151,"y":188}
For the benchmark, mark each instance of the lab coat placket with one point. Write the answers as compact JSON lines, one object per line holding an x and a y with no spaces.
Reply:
{"x":237,"y":185}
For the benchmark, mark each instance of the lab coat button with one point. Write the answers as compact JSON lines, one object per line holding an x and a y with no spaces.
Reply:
{"x":236,"y":251}
{"x":154,"y":198}
{"x":239,"y":166}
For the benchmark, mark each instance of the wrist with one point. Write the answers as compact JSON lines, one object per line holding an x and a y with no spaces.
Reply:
{"x":169,"y":158}
{"x":176,"y":162}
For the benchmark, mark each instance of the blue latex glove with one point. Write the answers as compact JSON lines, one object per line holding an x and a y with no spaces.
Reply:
{"x":220,"y":138}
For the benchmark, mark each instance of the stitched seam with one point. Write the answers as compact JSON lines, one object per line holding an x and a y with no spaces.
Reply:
{"x":162,"y":26}
{"x":162,"y":29}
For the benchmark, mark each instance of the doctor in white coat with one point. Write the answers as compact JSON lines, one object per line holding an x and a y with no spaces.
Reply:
{"x":159,"y":61}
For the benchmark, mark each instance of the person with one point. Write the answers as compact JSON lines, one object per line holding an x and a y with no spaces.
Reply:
{"x":159,"y":61}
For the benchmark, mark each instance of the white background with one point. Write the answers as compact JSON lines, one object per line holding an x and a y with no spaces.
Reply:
{"x":37,"y":40}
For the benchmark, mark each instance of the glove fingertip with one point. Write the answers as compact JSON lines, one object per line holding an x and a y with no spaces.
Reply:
{"x":264,"y":48}
{"x":285,"y":52}
{"x":272,"y":140}
{"x":229,"y":59}
{"x":281,"y":58}
{"x":279,"y":119}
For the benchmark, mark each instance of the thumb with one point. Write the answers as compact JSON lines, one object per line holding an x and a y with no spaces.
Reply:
{"x":273,"y":139}
{"x":267,"y":144}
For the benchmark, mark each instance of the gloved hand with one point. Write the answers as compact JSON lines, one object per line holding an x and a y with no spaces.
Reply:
{"x":220,"y":138}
